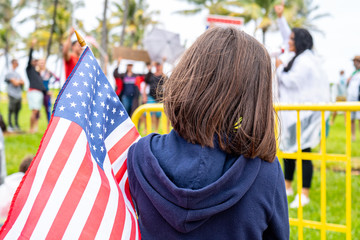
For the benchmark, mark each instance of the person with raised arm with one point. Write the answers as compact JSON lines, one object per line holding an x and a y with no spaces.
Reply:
{"x":301,"y":80}
{"x":71,"y":53}
{"x":36,"y":89}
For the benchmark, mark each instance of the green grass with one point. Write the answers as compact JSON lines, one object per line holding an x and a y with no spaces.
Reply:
{"x":336,"y":143}
{"x":335,"y":208}
{"x":20,"y":145}
{"x":335,"y":187}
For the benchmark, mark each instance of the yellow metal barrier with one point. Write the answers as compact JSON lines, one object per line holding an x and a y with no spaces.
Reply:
{"x":147,"y":109}
{"x":300,"y":222}
{"x":323,"y":226}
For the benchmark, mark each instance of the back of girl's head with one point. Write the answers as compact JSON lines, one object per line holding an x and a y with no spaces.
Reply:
{"x":303,"y":40}
{"x":221,"y":90}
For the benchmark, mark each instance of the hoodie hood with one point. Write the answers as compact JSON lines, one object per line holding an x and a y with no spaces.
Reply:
{"x":188,"y":183}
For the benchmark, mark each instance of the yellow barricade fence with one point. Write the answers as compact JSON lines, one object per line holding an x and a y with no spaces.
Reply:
{"x":322,"y":156}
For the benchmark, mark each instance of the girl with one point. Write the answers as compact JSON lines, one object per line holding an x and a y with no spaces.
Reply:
{"x":215,"y":176}
{"x":302,"y":80}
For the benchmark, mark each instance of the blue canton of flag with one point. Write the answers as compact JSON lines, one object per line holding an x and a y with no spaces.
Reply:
{"x":90,"y":101}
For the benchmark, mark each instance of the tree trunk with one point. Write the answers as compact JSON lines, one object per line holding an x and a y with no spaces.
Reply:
{"x":52,"y":29}
{"x":37,"y":14}
{"x":124,"y":22}
{"x":264,"y":30}
{"x":7,"y":49}
{"x":104,"y":32}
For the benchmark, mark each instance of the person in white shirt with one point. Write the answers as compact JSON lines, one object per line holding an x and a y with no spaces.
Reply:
{"x":301,"y":80}
{"x":340,"y":93}
{"x":8,"y":188}
{"x":353,"y":94}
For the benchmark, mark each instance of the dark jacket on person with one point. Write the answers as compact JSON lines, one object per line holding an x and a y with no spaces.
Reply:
{"x":186,"y":191}
{"x":155,"y":82}
{"x":35,"y":80}
{"x":126,"y":89}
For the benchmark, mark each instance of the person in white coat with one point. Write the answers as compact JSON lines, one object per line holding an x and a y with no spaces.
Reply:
{"x":301,"y":80}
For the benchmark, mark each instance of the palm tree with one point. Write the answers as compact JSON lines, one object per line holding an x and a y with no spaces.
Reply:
{"x":54,"y":20}
{"x":137,"y":20}
{"x":303,"y":13}
{"x":212,"y":6}
{"x":298,"y":12}
{"x":259,"y":11}
{"x":124,"y":20}
{"x":52,"y":28}
{"x":104,"y":35}
{"x":8,"y":34}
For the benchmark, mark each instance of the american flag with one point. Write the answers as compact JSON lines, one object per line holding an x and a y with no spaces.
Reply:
{"x":77,"y":185}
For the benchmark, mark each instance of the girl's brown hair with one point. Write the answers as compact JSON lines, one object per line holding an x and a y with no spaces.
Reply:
{"x":221,"y":91}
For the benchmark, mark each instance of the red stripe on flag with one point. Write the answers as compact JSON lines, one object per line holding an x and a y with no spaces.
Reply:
{"x":133,"y":227}
{"x":127,"y":192}
{"x":119,"y":175}
{"x":72,"y":198}
{"x":26,"y":184}
{"x":58,"y":163}
{"x":119,"y":223}
{"x":123,"y":144}
{"x":97,"y":212}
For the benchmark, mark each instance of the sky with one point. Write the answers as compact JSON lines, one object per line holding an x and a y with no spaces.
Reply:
{"x":338,"y":44}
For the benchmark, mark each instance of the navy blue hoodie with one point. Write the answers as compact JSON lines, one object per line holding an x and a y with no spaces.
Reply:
{"x":186,"y":191}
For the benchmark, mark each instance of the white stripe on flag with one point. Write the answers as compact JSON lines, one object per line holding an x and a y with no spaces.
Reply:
{"x":129,"y":210}
{"x":108,"y":220}
{"x":120,"y":161}
{"x":127,"y":227}
{"x":84,"y":207}
{"x":119,"y":132}
{"x":42,"y":169}
{"x":61,"y":188}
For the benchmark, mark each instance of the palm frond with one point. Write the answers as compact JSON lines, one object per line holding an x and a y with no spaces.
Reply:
{"x":189,"y":11}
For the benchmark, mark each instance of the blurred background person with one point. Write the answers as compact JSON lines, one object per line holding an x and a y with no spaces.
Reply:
{"x":71,"y":53}
{"x":36,"y":90}
{"x":340,"y":92}
{"x":301,"y":80}
{"x":129,"y":92}
{"x":154,"y":83}
{"x":353,"y":94}
{"x":46,"y":75}
{"x":15,"y":86}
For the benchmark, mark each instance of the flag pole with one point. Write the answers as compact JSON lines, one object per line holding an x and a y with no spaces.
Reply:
{"x":80,"y":39}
